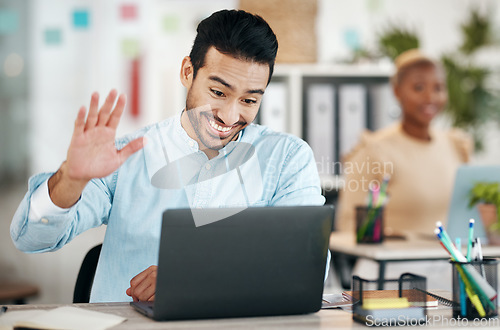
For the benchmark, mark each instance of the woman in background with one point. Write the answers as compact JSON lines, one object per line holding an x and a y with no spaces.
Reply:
{"x":420,"y":160}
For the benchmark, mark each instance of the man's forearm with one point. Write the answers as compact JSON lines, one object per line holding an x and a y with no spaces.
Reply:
{"x":63,"y":190}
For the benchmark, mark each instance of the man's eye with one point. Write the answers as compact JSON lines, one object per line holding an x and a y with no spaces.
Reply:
{"x":216,"y":92}
{"x":249,"y":101}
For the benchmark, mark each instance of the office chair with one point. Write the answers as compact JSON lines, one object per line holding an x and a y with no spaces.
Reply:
{"x":85,"y":278}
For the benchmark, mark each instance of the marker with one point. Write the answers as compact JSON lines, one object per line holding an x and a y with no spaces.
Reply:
{"x":471,"y":238}
{"x":376,"y":191}
{"x":444,"y":234}
{"x":3,"y":309}
{"x":383,"y":189}
{"x":463,"y":302}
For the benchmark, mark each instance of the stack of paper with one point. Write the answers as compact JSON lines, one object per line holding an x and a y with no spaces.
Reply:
{"x":68,"y":318}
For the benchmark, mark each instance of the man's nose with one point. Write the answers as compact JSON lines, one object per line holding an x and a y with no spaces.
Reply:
{"x":230,"y":113}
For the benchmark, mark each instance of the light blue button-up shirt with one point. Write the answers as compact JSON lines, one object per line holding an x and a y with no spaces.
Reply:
{"x":261,"y":168}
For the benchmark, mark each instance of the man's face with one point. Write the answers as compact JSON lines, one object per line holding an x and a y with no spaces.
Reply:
{"x":422,"y":93}
{"x":223,"y":99}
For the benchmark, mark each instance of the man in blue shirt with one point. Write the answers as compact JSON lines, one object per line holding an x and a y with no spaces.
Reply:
{"x":210,"y":155}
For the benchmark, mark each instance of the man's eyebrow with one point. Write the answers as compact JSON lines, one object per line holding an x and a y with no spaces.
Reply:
{"x":255,"y":91}
{"x":225,"y":83}
{"x":220,"y":80}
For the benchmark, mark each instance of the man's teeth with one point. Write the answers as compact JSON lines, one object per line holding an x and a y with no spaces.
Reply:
{"x":219,"y":128}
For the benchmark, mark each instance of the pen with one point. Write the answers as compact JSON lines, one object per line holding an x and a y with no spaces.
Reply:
{"x":376,"y":191}
{"x":457,"y":256}
{"x":463,"y":303}
{"x":478,"y":255}
{"x":467,"y":270}
{"x":3,"y":309}
{"x":471,"y":238}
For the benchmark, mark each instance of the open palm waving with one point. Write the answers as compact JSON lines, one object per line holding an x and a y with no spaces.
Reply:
{"x":92,"y":152}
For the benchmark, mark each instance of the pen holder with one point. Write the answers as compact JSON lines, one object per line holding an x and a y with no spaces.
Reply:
{"x":369,"y":224}
{"x":475,"y":289}
{"x":402,"y":302}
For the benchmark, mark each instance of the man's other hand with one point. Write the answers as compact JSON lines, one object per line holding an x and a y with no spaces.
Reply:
{"x":143,"y":285}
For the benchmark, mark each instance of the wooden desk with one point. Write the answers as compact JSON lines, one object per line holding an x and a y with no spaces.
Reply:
{"x":343,"y":245}
{"x":17,"y":293}
{"x":324,"y":319}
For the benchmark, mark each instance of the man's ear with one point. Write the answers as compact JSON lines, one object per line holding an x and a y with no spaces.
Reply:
{"x":187,"y":72}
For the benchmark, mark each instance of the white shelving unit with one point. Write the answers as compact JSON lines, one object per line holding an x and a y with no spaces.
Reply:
{"x":294,"y":83}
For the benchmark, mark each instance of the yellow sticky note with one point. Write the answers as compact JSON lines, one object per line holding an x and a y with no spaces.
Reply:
{"x":385,"y":303}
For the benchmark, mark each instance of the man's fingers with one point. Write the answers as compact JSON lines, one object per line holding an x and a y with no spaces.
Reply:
{"x":92,"y":116}
{"x":106,"y":108}
{"x":146,"y":289}
{"x":115,"y":116}
{"x":141,"y":276}
{"x":143,"y":285}
{"x":131,"y":148}
{"x":80,"y":121}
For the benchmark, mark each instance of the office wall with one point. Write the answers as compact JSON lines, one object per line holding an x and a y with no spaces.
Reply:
{"x":93,"y":59}
{"x":99,"y":57}
{"x":342,"y":24}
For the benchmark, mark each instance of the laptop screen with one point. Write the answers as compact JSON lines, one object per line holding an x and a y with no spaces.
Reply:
{"x":259,"y":261}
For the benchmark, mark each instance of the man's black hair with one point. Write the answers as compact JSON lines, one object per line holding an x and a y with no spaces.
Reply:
{"x":237,"y":33}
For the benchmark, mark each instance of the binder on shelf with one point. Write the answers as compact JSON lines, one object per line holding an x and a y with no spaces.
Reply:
{"x":385,"y":107}
{"x":352,"y":115}
{"x":321,"y":125}
{"x":274,"y":105}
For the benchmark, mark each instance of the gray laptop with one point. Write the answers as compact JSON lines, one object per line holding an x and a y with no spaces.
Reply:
{"x":257,"y":262}
{"x":459,"y":211}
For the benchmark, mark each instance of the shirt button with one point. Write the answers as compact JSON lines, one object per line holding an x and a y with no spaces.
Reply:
{"x":45,"y":220}
{"x":191,"y":144}
{"x":207,"y":166}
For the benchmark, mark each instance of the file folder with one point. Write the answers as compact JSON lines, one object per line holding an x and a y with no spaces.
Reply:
{"x":274,"y":106}
{"x":385,"y":107}
{"x":321,"y":125}
{"x":352,"y":115}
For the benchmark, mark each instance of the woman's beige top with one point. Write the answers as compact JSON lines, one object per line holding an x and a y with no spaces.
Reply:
{"x":422,"y":176}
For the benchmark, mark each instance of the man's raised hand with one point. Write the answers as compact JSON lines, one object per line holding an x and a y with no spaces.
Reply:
{"x":92,"y":152}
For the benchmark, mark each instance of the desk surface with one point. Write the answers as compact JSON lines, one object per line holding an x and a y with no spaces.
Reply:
{"x":324,"y":319}
{"x":395,"y":250}
{"x":12,"y":292}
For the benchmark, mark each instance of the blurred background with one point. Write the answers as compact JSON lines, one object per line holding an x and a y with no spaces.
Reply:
{"x":335,"y":57}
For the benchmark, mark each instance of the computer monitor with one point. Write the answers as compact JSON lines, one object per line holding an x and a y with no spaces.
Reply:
{"x":459,"y":212}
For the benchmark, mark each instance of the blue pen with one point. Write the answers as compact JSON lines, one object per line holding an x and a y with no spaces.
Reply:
{"x":471,"y":238}
{"x":463,"y":302}
{"x":443,"y":232}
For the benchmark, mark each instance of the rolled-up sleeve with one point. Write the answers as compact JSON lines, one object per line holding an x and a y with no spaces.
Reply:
{"x":39,"y":230}
{"x":298,"y":183}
